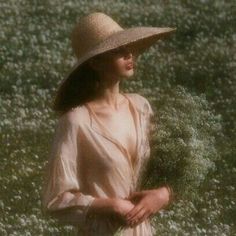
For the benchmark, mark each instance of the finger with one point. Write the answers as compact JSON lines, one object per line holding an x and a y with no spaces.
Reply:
{"x":129,"y":213}
{"x":141,"y":220}
{"x":138,"y":218}
{"x":144,"y":216}
{"x":132,"y":211}
{"x":133,"y":215}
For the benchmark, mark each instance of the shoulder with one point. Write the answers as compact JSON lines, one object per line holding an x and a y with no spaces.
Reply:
{"x":73,"y":117}
{"x":137,"y":97}
{"x":141,"y":102}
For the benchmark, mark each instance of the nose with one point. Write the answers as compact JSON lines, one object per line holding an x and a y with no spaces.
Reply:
{"x":130,"y":57}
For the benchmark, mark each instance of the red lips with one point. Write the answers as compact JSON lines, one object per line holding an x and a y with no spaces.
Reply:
{"x":129,"y":66}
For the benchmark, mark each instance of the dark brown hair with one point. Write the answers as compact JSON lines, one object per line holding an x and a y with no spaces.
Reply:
{"x":82,"y":86}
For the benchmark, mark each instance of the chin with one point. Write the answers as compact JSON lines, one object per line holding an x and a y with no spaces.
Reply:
{"x":129,"y":73}
{"x":127,"y":76}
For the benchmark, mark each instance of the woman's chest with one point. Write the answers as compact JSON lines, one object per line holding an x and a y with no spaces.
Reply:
{"x":121,"y":127}
{"x":111,"y":139}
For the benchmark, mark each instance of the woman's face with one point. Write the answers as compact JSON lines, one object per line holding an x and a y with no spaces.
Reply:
{"x":119,"y":62}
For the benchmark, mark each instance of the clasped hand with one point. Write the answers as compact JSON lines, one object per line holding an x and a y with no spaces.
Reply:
{"x":147,"y":203}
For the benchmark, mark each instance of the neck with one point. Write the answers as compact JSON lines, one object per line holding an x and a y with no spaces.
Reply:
{"x":110,"y":93}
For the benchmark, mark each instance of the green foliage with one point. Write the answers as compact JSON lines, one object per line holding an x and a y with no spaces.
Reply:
{"x":183,"y":144}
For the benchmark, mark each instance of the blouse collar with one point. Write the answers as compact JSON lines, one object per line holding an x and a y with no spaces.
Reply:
{"x":98,"y":127}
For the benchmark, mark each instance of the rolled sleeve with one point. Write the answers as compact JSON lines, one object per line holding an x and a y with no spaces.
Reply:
{"x":61,"y":195}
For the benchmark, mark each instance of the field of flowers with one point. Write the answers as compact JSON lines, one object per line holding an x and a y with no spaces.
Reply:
{"x":189,"y":80}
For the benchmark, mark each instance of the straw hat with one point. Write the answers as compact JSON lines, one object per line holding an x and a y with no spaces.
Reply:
{"x":97,"y":33}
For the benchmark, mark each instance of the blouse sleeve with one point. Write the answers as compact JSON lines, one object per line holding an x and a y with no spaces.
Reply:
{"x":61,"y":195}
{"x":151,"y":120}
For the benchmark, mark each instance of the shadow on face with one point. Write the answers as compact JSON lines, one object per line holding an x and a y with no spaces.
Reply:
{"x":114,"y":59}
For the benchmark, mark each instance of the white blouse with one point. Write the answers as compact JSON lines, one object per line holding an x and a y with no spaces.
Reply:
{"x":86,"y":162}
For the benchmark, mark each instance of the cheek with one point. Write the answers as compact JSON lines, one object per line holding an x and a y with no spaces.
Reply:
{"x":114,"y":65}
{"x":117,"y":65}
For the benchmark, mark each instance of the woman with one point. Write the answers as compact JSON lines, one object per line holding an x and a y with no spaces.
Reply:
{"x":101,"y":143}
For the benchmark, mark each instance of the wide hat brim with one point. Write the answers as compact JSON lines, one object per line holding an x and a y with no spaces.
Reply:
{"x":139,"y":38}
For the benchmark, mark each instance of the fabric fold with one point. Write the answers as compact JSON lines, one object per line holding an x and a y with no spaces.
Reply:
{"x":61,"y":195}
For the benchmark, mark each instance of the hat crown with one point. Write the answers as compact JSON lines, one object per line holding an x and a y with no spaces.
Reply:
{"x":91,"y":30}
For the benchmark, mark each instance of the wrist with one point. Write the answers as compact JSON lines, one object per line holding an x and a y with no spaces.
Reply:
{"x":163,"y":195}
{"x":102,"y":205}
{"x":111,"y":205}
{"x":170,"y":193}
